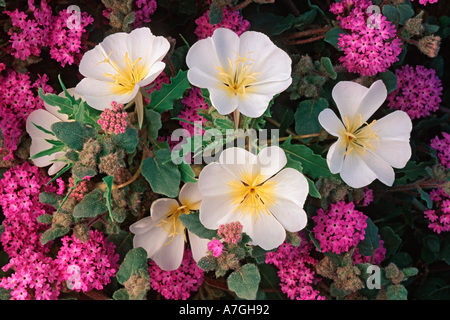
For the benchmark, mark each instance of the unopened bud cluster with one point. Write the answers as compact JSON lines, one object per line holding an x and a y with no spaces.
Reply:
{"x":114,"y":120}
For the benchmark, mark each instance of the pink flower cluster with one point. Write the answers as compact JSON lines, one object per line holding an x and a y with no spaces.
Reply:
{"x":87,"y":265}
{"x":339,"y":228}
{"x":35,"y":277}
{"x":439,"y":218}
{"x":19,"y":198}
{"x":64,"y":34}
{"x":418,"y":91}
{"x":442,"y":147}
{"x":114,"y":120}
{"x":146,"y":8}
{"x":424,"y":2}
{"x":177,"y":284}
{"x":193,"y":101}
{"x":370,"y":44}
{"x":231,"y":232}
{"x":18,"y":98}
{"x":231,"y":20}
{"x":80,"y":190}
{"x":216,"y":247}
{"x":296,"y":270}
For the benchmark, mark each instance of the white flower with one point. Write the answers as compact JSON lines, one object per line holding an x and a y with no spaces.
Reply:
{"x":120,"y":65}
{"x":239,"y":72}
{"x":162,"y":234}
{"x":365,"y":151}
{"x":251,"y":189}
{"x":44,"y":118}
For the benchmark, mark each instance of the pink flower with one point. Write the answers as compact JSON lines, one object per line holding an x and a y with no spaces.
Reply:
{"x":216,"y":247}
{"x":231,"y":20}
{"x":442,"y":147}
{"x":439,"y":218}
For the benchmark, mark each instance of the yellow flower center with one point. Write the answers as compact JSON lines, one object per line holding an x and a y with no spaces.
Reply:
{"x":172,"y":224}
{"x":251,"y":194}
{"x":238,"y":78}
{"x":358,"y":138}
{"x":127,"y":75}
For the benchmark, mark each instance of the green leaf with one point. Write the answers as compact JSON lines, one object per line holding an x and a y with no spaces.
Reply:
{"x":313,"y":164}
{"x":91,"y":205}
{"x":65,"y":104}
{"x":245,"y":282}
{"x":161,"y":173}
{"x":45,"y":218}
{"x":406,"y":12}
{"x":305,"y":19}
{"x":427,"y":198}
{"x":391,"y":240}
{"x":55,"y":148}
{"x":389,"y":79}
{"x":307,"y":114}
{"x":215,"y":13}
{"x":411,"y":172}
{"x":153,"y":123}
{"x":163,"y":99}
{"x":391,"y":13}
{"x":127,"y":140}
{"x":135,"y":260}
{"x":53,"y":233}
{"x":73,"y":134}
{"x":192,"y":223}
{"x":270,"y":23}
{"x":328,"y":66}
{"x":50,"y":198}
{"x":371,"y":241}
{"x":121,"y":294}
{"x":109,"y":183}
{"x":397,"y":292}
{"x":332,"y":36}
{"x":187,"y":174}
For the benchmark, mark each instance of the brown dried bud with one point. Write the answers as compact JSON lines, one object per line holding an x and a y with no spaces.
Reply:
{"x":88,"y":156}
{"x":430,"y":45}
{"x":81,"y":232}
{"x":414,"y":26}
{"x":111,"y":163}
{"x":137,"y":286}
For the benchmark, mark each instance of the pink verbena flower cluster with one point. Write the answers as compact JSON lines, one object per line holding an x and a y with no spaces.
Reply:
{"x":231,"y":232}
{"x":193,"y":101}
{"x":370,"y":44}
{"x":87,"y":265}
{"x":35,"y":277}
{"x":231,"y":20}
{"x":418,"y":91}
{"x":442,"y":147}
{"x":424,"y":2}
{"x":339,"y":228}
{"x":64,"y":34}
{"x":145,"y":9}
{"x":378,"y":255}
{"x":216,"y":246}
{"x":177,"y":284}
{"x":18,"y":98}
{"x":296,"y":270}
{"x":19,"y":198}
{"x":439,"y":218}
{"x":114,"y":120}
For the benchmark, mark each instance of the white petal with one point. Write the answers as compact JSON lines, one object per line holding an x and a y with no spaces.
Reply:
{"x":163,"y":207}
{"x":253,"y":105}
{"x":238,"y":161}
{"x":170,"y":255}
{"x":396,"y":125}
{"x":356,"y":172}
{"x":43,"y":119}
{"x":292,"y":217}
{"x":270,"y":160}
{"x":38,"y":145}
{"x":143,"y":45}
{"x":348,"y":96}
{"x":142,"y":226}
{"x":213,"y":180}
{"x":373,"y":100}
{"x":153,"y":73}
{"x":223,"y":101}
{"x":291,"y":185}
{"x":215,"y":211}
{"x":335,"y":156}
{"x":202,"y":59}
{"x":330,"y":122}
{"x":58,"y":165}
{"x":201,"y":79}
{"x":395,"y":152}
{"x":226,"y":44}
{"x":381,"y":168}
{"x":265,"y":230}
{"x":190,"y":196}
{"x":199,"y":246}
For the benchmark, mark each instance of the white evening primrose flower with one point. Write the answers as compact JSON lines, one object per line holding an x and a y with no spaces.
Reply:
{"x":119,"y":66}
{"x":365,"y":151}
{"x":256,"y":191}
{"x":38,"y":126}
{"x":242,"y":73}
{"x":163,"y":235}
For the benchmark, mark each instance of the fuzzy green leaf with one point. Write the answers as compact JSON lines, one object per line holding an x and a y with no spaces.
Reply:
{"x":245,"y":282}
{"x":53,"y":233}
{"x":161,"y":173}
{"x":73,"y":134}
{"x":306,"y":116}
{"x":127,"y":140}
{"x":135,"y":260}
{"x":91,"y":205}
{"x":332,"y":36}
{"x":109,"y":183}
{"x":187,"y":174}
{"x":153,"y":123}
{"x":371,"y":242}
{"x":192,"y":223}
